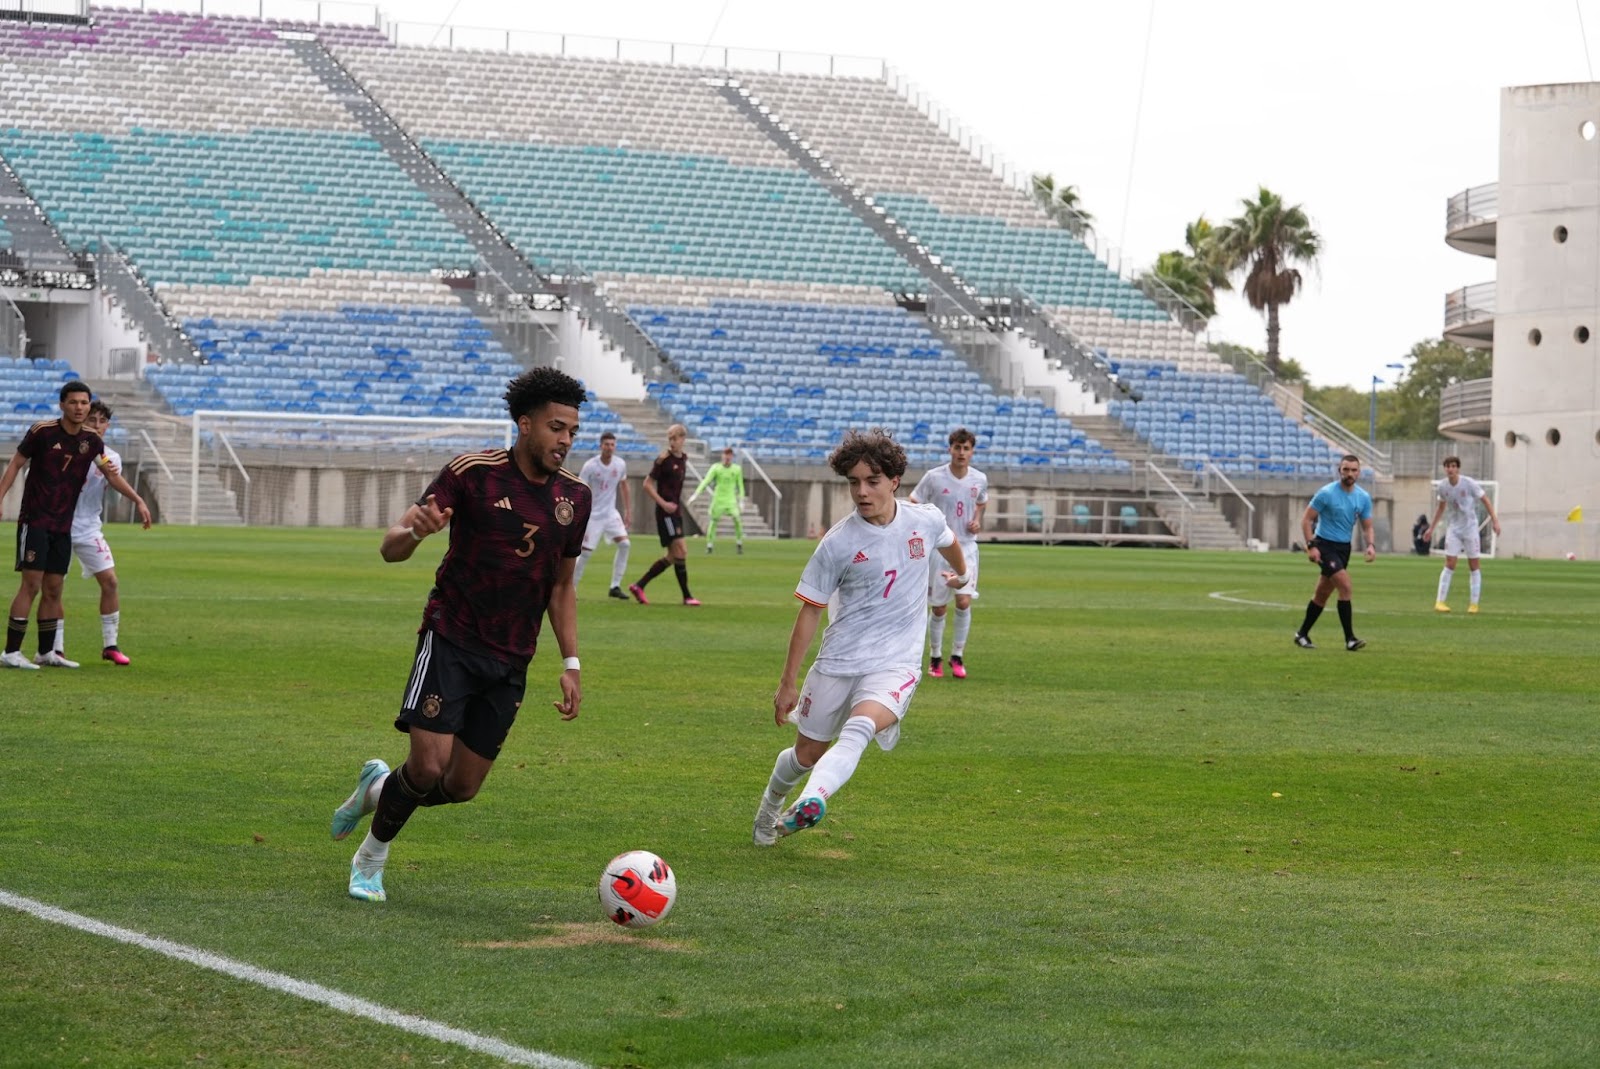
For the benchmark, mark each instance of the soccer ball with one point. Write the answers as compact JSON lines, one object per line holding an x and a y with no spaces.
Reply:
{"x":637,"y":889}
{"x":1572,"y":556}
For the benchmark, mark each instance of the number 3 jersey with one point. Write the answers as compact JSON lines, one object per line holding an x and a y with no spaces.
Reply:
{"x":508,"y":536}
{"x":874,"y":581}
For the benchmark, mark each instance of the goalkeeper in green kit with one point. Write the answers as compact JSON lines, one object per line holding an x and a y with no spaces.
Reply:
{"x":727,"y":492}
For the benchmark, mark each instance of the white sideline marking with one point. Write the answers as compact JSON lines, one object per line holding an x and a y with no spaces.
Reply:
{"x":356,"y":1007}
{"x":1223,"y":595}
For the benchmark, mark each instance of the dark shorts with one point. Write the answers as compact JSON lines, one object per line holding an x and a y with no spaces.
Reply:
{"x":1335,"y":555}
{"x":42,"y":551}
{"x":454,"y":691}
{"x":670,"y":528}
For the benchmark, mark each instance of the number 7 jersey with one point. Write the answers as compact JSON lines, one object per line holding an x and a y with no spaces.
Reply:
{"x":874,"y":581}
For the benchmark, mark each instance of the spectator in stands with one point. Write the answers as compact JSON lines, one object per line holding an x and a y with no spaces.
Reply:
{"x":664,"y":484}
{"x":727,"y":499}
{"x":58,"y":454}
{"x":89,"y":545}
{"x":1329,"y":525}
{"x":961,"y":492}
{"x":607,"y":477}
{"x":1458,"y":497}
{"x":516,"y":524}
{"x":871,"y":572}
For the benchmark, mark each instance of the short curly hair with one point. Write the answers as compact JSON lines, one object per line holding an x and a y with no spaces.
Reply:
{"x":540,"y":387}
{"x":882,"y":453}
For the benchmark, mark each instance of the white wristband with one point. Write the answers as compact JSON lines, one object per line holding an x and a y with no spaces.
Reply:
{"x":412,"y":531}
{"x":570,"y":664}
{"x":963,"y":580}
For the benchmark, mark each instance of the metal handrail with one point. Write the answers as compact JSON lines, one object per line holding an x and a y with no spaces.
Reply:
{"x":1469,"y":400}
{"x":1469,"y":304}
{"x":1250,"y":522}
{"x":151,"y":445}
{"x":237,"y":463}
{"x":1188,"y":506}
{"x":1480,"y":204}
{"x":777,"y":508}
{"x":13,"y":329}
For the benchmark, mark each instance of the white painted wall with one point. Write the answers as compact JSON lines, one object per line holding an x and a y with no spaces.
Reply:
{"x":1546,"y":410}
{"x":585,"y":356}
{"x":1028,"y":361}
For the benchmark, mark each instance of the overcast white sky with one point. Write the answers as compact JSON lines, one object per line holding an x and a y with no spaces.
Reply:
{"x":1369,"y":114}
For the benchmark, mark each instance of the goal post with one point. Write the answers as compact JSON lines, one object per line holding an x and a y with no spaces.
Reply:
{"x":252,"y":451}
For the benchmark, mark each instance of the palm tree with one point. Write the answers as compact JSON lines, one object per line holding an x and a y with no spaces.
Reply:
{"x":1062,"y":204}
{"x":1197,"y":274}
{"x":1266,"y":241}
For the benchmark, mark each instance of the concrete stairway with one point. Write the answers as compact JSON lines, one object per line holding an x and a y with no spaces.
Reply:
{"x":1208,"y":527}
{"x":165,"y":475}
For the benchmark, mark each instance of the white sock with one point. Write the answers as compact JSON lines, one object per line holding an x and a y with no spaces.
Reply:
{"x":61,"y":636}
{"x":375,"y":788}
{"x":839,"y":763}
{"x":583,"y":562}
{"x":958,"y":644}
{"x":372,"y":854}
{"x":1445,"y":575}
{"x":786,"y":772}
{"x":936,"y":636}
{"x":1475,"y":585}
{"x":619,"y":567}
{"x":108,"y":627}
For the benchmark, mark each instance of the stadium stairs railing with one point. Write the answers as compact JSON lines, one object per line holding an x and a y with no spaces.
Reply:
{"x":618,"y":328}
{"x":139,"y":302}
{"x":13,"y":329}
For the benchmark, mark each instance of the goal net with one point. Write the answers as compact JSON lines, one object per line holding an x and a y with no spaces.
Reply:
{"x":318,"y":469}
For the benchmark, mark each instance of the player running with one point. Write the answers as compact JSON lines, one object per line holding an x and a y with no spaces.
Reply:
{"x":962,"y":493}
{"x":870,"y":571}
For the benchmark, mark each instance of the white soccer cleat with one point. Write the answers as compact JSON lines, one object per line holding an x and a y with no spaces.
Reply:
{"x":765,"y":832}
{"x":18,"y":659}
{"x":53,"y":660}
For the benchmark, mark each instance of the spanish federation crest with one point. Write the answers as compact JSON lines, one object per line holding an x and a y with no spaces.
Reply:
{"x":915,"y":548}
{"x":564,"y":512}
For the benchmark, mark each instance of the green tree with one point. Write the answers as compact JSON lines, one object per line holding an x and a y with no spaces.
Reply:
{"x":1410,"y":412}
{"x":1197,"y":272}
{"x":1062,"y":204}
{"x":1266,"y":242}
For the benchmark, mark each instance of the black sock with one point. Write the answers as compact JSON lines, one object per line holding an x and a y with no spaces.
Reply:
{"x":437,"y":796}
{"x":47,"y":634}
{"x":396,"y":802}
{"x":655,"y":569}
{"x":1313,"y":610}
{"x":16,"y":630}
{"x":1345,"y":615}
{"x":681,"y":570}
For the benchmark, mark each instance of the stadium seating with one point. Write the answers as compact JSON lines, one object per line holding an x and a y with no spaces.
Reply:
{"x":789,"y":378}
{"x":29,"y":391}
{"x":1217,"y":418}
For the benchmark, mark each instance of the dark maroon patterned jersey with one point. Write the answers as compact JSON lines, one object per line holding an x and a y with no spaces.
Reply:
{"x":507,"y":540}
{"x":58,"y":464}
{"x":668,"y":472}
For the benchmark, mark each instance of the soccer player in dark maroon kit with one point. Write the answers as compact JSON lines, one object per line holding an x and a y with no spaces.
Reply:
{"x":664,"y":484}
{"x":58,"y":454}
{"x":516,"y":521}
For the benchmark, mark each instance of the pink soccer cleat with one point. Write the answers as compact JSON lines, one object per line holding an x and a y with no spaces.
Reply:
{"x":115,"y":656}
{"x":695,"y":602}
{"x":936,"y":668}
{"x":957,"y":669}
{"x":638,"y":594}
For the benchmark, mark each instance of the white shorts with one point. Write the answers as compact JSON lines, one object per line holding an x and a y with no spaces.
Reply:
{"x":939,"y":593}
{"x":95,"y":556}
{"x":1460,"y":543}
{"x":826,"y":701}
{"x":608,"y":526}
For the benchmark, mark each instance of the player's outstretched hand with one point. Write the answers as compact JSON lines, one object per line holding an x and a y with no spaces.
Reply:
{"x":951,"y":580}
{"x":571,"y":696}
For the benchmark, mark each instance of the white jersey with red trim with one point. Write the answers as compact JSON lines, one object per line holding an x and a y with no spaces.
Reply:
{"x":957,"y":498}
{"x":874,"y":581}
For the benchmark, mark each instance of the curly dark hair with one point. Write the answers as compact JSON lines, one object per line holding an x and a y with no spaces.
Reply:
{"x":882,"y":453}
{"x":540,"y":387}
{"x":961,"y":434}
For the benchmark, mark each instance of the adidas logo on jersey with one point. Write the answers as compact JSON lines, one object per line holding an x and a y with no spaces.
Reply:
{"x":503,"y":503}
{"x":860,"y":558}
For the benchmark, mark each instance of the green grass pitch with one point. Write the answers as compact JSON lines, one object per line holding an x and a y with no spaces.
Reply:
{"x":1146,"y":831}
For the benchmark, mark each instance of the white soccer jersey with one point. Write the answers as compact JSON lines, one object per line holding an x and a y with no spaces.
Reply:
{"x":1460,"y":503}
{"x":91,"y":500}
{"x":877,"y":580}
{"x":957,"y":498}
{"x":603,"y":480}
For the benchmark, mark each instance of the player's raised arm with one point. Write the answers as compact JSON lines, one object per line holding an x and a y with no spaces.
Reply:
{"x":419,"y":521}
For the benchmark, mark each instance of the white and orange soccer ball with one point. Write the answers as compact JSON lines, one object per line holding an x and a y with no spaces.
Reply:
{"x":637,"y":889}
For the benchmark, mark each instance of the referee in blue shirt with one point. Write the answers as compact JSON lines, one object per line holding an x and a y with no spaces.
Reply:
{"x":1328,"y":524}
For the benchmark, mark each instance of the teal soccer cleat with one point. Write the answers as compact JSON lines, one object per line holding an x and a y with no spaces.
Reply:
{"x":367,"y":886}
{"x":805,"y":813}
{"x":348,"y":815}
